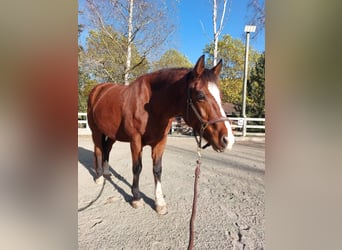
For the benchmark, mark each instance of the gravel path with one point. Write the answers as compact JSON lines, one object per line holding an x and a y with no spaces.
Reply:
{"x":231,"y":202}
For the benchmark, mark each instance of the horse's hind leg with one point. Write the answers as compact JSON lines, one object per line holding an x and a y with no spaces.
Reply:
{"x":157,"y":152}
{"x":107,"y":147}
{"x":98,"y":153}
{"x":136,"y":149}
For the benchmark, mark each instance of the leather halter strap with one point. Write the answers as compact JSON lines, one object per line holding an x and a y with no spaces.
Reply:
{"x":204,"y":124}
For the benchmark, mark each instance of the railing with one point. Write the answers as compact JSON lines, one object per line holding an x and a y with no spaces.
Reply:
{"x":83,"y":127}
{"x":236,"y":123}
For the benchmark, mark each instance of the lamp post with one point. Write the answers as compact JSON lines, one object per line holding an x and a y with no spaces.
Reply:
{"x":248,"y":30}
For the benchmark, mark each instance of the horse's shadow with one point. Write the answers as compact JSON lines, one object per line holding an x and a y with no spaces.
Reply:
{"x":85,"y":157}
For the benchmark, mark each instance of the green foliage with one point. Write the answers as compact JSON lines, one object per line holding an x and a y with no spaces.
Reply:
{"x":232,"y":52}
{"x":85,"y":85}
{"x":255,"y":99}
{"x":231,"y":90}
{"x":170,"y":59}
{"x":105,"y":57}
{"x":256,"y":89}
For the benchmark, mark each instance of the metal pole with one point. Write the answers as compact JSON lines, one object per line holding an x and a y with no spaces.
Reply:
{"x":245,"y":86}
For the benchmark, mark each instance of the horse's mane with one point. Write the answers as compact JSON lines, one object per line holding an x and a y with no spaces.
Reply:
{"x":167,"y":74}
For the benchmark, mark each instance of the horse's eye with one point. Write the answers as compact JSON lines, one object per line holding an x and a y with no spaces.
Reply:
{"x":200,"y":96}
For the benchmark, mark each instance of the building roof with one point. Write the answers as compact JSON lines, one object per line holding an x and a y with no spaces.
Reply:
{"x":229,"y":108}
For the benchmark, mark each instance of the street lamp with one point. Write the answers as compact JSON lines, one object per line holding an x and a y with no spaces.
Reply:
{"x":248,"y":30}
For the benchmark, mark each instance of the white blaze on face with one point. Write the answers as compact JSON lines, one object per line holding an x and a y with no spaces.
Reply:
{"x":215,"y":92}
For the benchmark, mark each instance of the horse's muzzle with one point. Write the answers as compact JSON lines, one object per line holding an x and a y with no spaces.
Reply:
{"x":227,"y":141}
{"x":224,"y":141}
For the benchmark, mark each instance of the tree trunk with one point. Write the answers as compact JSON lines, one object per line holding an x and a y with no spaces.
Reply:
{"x":129,"y":41}
{"x":215,"y":32}
{"x":218,"y":31}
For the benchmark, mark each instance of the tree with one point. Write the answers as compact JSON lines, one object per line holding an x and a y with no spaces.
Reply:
{"x":231,"y":92}
{"x":85,"y":84}
{"x":104,"y":59}
{"x":257,"y":17}
{"x":172,"y":58}
{"x":255,"y":97}
{"x":144,"y":24}
{"x":217,"y":31}
{"x":256,"y":89}
{"x":129,"y":41}
{"x":232,"y":52}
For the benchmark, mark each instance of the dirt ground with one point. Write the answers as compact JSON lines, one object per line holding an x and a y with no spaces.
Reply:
{"x":231,"y":201}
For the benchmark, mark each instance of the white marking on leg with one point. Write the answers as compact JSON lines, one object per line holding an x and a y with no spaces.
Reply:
{"x":215,"y":92}
{"x":159,"y":195}
{"x":106,"y":168}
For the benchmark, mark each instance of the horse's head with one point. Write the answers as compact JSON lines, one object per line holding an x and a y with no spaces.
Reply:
{"x":204,"y":110}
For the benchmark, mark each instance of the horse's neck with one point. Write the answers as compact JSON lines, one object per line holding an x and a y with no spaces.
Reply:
{"x":173,"y":99}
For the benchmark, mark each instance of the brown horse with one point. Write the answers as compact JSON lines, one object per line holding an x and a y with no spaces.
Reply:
{"x":142,"y":112}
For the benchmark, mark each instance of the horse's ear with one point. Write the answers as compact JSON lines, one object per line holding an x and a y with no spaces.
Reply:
{"x":217,"y":69}
{"x":199,"y":67}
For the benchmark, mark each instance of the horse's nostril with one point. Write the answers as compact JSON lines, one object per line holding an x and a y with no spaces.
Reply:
{"x":224,"y":141}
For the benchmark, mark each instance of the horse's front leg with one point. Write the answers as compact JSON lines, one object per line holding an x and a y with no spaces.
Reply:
{"x":157,"y":153}
{"x":136,"y":149}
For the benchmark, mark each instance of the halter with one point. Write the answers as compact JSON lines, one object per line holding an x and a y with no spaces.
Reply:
{"x":204,"y":124}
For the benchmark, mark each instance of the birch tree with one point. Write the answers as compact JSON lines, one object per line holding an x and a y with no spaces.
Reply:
{"x":218,"y":27}
{"x":144,"y":24}
{"x":105,"y":60}
{"x":129,"y":41}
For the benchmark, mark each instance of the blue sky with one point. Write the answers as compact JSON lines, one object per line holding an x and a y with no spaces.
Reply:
{"x":191,"y":37}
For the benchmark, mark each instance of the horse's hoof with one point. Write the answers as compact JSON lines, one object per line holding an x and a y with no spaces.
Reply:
{"x":99,"y":172}
{"x":99,"y":180}
{"x":107,"y":176}
{"x":138,"y":203}
{"x":162,"y":210}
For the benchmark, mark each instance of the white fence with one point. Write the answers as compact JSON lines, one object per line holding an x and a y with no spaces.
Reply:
{"x":236,"y":123}
{"x":83,"y":127}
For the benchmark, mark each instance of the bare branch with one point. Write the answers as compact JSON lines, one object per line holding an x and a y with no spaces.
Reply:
{"x":258,"y":16}
{"x":203,"y":29}
{"x":218,"y":31}
{"x":109,"y":75}
{"x":224,"y":16}
{"x":94,"y":8}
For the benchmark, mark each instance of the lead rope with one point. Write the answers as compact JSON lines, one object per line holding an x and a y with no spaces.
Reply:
{"x":204,"y":125}
{"x":194,"y":202}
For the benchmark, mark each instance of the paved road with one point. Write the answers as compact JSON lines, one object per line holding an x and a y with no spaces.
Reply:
{"x":231,"y":212}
